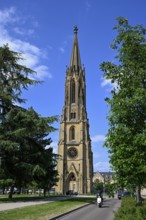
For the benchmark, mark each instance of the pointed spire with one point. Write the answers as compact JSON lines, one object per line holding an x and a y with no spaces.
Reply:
{"x":75,"y":57}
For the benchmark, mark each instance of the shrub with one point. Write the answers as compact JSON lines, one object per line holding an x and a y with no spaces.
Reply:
{"x":129,"y":210}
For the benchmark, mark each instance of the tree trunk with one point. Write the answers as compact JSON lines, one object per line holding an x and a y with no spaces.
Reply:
{"x":138,"y":195}
{"x":11,"y":192}
{"x":44,"y":192}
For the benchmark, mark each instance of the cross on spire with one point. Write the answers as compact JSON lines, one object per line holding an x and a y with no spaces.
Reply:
{"x":75,"y":29}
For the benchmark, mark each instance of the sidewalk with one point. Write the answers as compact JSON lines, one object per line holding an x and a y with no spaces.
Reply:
{"x":15,"y":205}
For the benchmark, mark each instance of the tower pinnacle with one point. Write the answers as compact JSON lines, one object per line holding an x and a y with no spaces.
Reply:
{"x":75,"y":57}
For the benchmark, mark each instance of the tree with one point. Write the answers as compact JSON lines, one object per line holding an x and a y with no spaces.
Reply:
{"x":98,"y":185}
{"x":126,"y":137}
{"x":29,"y":159}
{"x":13,"y":78}
{"x":23,"y":133}
{"x":46,"y":175}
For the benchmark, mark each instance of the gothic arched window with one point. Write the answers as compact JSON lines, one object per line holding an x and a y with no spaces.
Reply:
{"x":72,"y":91}
{"x":72,"y":177}
{"x":72,"y":133}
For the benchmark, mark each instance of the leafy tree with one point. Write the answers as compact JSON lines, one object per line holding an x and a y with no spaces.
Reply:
{"x":23,"y":133}
{"x":110,"y":188}
{"x":126,"y":137}
{"x":98,"y":185}
{"x":5,"y":183}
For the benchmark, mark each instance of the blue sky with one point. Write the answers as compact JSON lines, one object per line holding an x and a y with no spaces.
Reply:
{"x":43,"y":31}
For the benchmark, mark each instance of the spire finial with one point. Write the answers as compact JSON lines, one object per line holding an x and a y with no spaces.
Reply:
{"x":75,"y":57}
{"x":75,"y":29}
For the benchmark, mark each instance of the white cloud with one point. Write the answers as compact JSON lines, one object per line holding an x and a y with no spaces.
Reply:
{"x":88,"y":5}
{"x":42,"y":72}
{"x":54,"y":145}
{"x":98,"y":138}
{"x":25,"y":47}
{"x":96,"y":155}
{"x":30,"y":60}
{"x":23,"y":31}
{"x":102,"y":166}
{"x":32,"y":54}
{"x":62,"y":50}
{"x":106,"y":82}
{"x":7,"y":16}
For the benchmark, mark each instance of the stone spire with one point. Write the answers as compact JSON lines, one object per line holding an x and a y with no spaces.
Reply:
{"x":75,"y":57}
{"x":75,"y":164}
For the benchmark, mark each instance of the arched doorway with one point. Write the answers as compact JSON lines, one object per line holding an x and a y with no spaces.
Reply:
{"x":72,"y":182}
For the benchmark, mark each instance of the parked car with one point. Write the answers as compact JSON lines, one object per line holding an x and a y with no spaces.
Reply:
{"x":71,"y":192}
{"x":126,"y":193}
{"x":30,"y":191}
{"x":40,"y":191}
{"x":123,"y":194}
{"x":15,"y":191}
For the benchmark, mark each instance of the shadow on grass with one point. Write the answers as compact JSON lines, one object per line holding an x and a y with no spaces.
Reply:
{"x":21,"y":198}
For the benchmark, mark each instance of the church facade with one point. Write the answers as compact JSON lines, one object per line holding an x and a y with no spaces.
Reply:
{"x":75,"y":163}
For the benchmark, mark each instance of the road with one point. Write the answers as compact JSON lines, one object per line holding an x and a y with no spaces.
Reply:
{"x":93,"y":212}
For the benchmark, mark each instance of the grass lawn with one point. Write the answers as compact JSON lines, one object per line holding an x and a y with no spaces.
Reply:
{"x":44,"y":211}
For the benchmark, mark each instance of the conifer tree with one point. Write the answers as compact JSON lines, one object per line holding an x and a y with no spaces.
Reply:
{"x":23,"y":132}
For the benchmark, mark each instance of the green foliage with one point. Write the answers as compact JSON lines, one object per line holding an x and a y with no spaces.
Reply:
{"x":126,"y":137}
{"x":129,"y":211}
{"x":24,"y":134}
{"x":98,"y":185}
{"x":13,"y":78}
{"x":109,"y":189}
{"x":5,"y":183}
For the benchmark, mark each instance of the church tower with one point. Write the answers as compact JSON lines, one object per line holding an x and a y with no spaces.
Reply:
{"x":75,"y":165}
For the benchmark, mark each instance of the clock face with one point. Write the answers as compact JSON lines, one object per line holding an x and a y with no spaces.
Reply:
{"x":72,"y":152}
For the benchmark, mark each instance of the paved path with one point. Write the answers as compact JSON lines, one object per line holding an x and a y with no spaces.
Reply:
{"x":14,"y":205}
